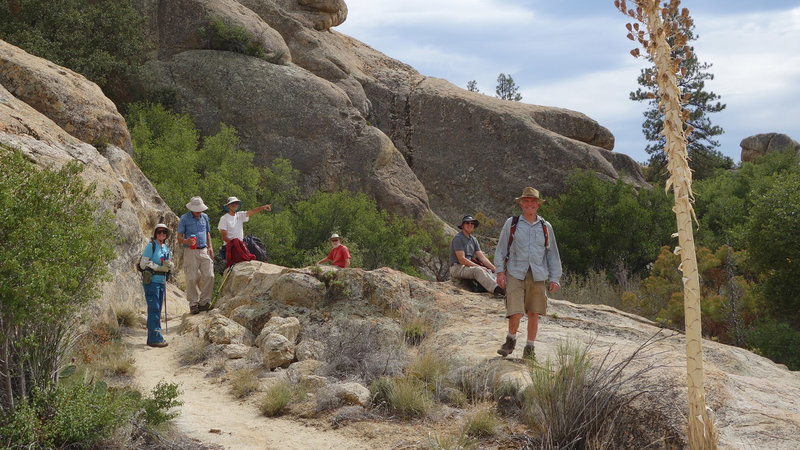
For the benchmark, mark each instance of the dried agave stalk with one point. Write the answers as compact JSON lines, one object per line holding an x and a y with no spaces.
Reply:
{"x":662,"y":23}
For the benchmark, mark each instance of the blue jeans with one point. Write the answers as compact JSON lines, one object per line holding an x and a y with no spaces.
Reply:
{"x":154,"y":294}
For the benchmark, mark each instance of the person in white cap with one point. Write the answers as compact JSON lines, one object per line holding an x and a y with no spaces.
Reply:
{"x":231,"y":225}
{"x":155,"y":264}
{"x":194,"y":233}
{"x":339,"y":254}
{"x":528,"y":265}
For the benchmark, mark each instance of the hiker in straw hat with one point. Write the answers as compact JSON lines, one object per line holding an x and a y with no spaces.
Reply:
{"x":339,"y":254}
{"x":194,"y":233}
{"x":528,"y":265}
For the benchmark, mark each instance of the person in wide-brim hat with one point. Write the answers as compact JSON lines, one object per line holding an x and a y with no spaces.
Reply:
{"x":469,"y":219}
{"x":528,"y":266}
{"x":231,"y":226}
{"x":194,"y":234}
{"x":467,"y":261}
{"x":196,"y":205}
{"x":529,"y":192}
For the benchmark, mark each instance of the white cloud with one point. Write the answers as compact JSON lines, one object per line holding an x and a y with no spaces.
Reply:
{"x":475,"y":13}
{"x":575,"y":56}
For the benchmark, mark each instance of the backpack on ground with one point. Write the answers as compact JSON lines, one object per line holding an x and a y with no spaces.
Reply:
{"x":256,"y":247}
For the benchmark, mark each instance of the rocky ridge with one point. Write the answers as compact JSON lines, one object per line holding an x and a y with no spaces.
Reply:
{"x":350,"y":117}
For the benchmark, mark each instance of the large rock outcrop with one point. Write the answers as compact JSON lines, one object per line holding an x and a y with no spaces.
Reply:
{"x":52,"y":114}
{"x":761,"y":144}
{"x":348,"y":116}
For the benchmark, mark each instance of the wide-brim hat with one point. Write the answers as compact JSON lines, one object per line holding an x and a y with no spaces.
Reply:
{"x":469,"y":219}
{"x":229,"y":201}
{"x":196,"y":205}
{"x":160,"y":226}
{"x":334,"y":236}
{"x":529,"y":192}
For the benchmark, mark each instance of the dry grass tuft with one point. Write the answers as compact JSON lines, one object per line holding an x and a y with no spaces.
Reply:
{"x":275,"y":399}
{"x":243,"y":382}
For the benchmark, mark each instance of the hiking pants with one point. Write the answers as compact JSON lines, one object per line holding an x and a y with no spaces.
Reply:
{"x":485,"y":278}
{"x":199,"y":270}
{"x":154,"y":295}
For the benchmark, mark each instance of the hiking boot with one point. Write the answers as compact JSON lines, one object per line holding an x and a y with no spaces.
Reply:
{"x":507,"y":348}
{"x":194,"y":309}
{"x":498,"y":291}
{"x":157,"y":344}
{"x":206,"y":307}
{"x":528,"y":353}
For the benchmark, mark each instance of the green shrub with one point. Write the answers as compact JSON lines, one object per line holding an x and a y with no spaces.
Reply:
{"x":275,"y":399}
{"x":233,"y":39}
{"x":74,"y":414}
{"x":773,"y":243}
{"x":103,"y":40}
{"x":777,"y":341}
{"x":45,"y":285}
{"x":167,"y":147}
{"x":158,"y":408}
{"x":609,"y":226}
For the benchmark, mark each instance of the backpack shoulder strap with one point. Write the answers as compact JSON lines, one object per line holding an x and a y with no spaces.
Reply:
{"x":514,"y":221}
{"x":546,"y":235}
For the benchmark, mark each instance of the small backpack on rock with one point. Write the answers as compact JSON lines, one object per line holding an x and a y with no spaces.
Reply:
{"x":256,"y":247}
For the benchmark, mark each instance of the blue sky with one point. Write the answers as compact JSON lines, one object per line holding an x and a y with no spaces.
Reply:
{"x":574,"y":54}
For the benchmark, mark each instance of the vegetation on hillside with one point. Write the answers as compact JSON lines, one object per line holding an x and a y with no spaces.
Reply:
{"x":168,"y":149}
{"x":55,"y":246}
{"x":748,"y":252}
{"x":103,"y":40}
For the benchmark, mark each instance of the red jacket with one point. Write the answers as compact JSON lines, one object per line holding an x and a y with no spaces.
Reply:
{"x":236,"y":251}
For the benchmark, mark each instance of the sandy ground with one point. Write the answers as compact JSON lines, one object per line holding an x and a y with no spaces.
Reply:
{"x":213,"y":416}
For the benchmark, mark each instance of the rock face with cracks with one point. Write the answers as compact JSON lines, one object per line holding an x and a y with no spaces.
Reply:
{"x":349,"y":117}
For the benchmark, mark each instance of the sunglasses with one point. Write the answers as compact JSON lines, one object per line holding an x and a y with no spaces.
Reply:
{"x":161,"y":231}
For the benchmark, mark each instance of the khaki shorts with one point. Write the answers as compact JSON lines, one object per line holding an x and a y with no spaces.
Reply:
{"x":524,"y":296}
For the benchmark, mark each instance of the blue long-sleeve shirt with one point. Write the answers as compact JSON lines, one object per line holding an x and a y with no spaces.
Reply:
{"x":528,"y":251}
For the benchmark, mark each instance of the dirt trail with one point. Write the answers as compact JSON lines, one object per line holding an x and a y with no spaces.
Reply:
{"x":212,"y":415}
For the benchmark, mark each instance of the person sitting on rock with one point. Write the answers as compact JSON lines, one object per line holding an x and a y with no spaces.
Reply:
{"x":467,"y":261}
{"x":339,"y":254}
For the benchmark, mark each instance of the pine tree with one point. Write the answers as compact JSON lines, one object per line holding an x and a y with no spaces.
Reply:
{"x":703,"y":155}
{"x":506,"y":88}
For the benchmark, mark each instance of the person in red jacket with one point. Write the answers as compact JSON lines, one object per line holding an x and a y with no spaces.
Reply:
{"x":339,"y":255}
